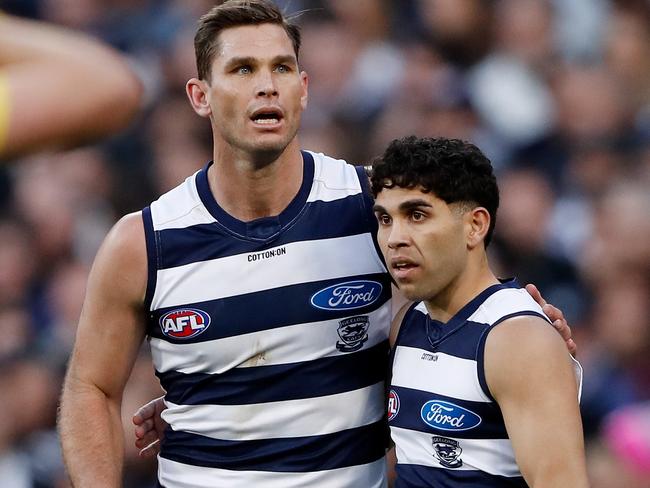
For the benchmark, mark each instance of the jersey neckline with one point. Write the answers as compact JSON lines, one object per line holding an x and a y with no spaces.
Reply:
{"x":438,"y":331}
{"x":264,"y":228}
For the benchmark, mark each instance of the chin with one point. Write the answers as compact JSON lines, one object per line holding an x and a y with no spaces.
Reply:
{"x":270,"y":146}
{"x":410,"y":293}
{"x":266,"y":152}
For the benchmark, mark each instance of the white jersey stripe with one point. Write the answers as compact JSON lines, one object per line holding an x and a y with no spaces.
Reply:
{"x":177,"y":475}
{"x":503,"y":303}
{"x":494,"y":456}
{"x":440,"y":376}
{"x":181,"y":208}
{"x":330,"y":183}
{"x":196,"y":282}
{"x":282,"y":345}
{"x":283,"y":419}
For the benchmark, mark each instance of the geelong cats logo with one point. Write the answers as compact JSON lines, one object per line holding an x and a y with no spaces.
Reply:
{"x":353,"y":333}
{"x":447,"y":452}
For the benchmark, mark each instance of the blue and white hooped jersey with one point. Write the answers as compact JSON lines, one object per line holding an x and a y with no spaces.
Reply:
{"x":270,"y":336}
{"x":448,"y":430}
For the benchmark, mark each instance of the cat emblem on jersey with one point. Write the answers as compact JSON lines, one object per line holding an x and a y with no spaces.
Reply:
{"x":447,"y":452}
{"x":353,"y":332}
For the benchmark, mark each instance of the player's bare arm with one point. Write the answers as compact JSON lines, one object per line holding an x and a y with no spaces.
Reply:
{"x":531,"y":376}
{"x":111,"y":329}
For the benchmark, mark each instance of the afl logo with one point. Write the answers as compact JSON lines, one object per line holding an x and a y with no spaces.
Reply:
{"x":347,"y":296}
{"x":184,"y":323}
{"x":393,"y":405}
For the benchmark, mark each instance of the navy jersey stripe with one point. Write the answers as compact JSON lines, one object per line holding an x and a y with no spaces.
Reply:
{"x":414,"y":476}
{"x":351,"y":447}
{"x":204,"y":242}
{"x":320,"y":377}
{"x":409,"y":415}
{"x":462,"y":345}
{"x":241,"y":314}
{"x":152,"y":256}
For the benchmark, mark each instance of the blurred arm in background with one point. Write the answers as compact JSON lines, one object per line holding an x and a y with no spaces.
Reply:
{"x":59,"y":88}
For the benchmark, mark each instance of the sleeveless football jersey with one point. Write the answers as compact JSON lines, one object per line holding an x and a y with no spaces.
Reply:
{"x":270,"y":336}
{"x":448,"y":430}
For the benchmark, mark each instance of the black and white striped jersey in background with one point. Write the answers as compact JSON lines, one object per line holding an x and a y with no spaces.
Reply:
{"x":270,"y":336}
{"x":447,"y":428}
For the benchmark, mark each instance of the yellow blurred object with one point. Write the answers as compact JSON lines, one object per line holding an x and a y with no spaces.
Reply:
{"x":4,"y":108}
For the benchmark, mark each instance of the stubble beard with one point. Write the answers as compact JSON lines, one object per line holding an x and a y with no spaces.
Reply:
{"x":261,"y":153}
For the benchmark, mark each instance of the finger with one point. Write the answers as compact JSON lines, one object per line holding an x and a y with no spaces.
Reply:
{"x":563,"y":328}
{"x":565,"y":332}
{"x":143,"y":413}
{"x":149,"y":438}
{"x":535,"y":293}
{"x":573,"y":347}
{"x":145,"y":427}
{"x":553,"y":312}
{"x":151,"y":450}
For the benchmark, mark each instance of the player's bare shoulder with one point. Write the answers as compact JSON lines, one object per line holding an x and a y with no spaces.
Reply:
{"x":122,"y":258}
{"x":128,"y":233}
{"x":523,"y":350}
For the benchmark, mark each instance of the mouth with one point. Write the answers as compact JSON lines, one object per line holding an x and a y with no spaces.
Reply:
{"x":268,"y":117}
{"x":402,"y":268}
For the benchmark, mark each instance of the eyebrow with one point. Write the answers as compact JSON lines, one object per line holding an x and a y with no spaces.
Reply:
{"x":285,"y":59}
{"x":244,"y":60}
{"x":413,"y":204}
{"x":405,"y":206}
{"x":240,"y":60}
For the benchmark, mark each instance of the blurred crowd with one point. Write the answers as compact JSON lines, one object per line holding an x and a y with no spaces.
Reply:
{"x":556,"y":92}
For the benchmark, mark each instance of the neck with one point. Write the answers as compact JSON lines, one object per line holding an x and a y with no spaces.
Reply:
{"x":475,"y":278}
{"x":250,"y":187}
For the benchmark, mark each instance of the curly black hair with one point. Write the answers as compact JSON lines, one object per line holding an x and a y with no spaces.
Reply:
{"x":452,"y":169}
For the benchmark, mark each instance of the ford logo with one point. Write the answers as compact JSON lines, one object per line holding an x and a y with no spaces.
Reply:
{"x":448,"y":416}
{"x":347,"y":296}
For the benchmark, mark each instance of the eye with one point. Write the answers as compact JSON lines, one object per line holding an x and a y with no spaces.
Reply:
{"x":283,"y":68}
{"x":383,"y":219}
{"x":417,"y":216}
{"x":244,"y":70}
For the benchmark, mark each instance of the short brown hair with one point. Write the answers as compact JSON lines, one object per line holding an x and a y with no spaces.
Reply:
{"x":235,"y":13}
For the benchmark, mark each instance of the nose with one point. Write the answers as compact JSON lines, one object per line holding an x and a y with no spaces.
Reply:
{"x":266,"y":84}
{"x":397,"y":235}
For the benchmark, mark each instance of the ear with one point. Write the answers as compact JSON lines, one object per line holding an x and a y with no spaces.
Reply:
{"x":478,"y":224}
{"x":197,"y":92}
{"x":304,"y":80}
